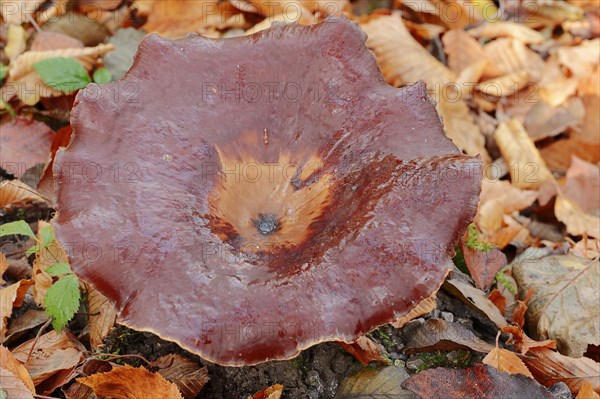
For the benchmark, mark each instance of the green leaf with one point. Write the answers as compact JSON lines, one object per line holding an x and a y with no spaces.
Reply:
{"x":47,"y":235}
{"x":62,"y":300}
{"x":63,"y":74}
{"x":3,"y":70}
{"x":19,"y":227}
{"x":33,"y":250}
{"x":59,"y":268}
{"x":102,"y":76}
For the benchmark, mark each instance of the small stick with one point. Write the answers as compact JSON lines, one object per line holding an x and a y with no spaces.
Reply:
{"x":37,"y":337}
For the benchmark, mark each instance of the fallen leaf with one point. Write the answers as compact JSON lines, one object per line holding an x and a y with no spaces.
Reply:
{"x":131,"y":383}
{"x":543,"y":120}
{"x":582,"y":185}
{"x":12,"y":387}
{"x":505,"y":85}
{"x":507,"y":361}
{"x":46,"y":184}
{"x":523,"y":343}
{"x":496,"y":29}
{"x":11,"y":297}
{"x":482,"y":265}
{"x":364,"y":350}
{"x":54,"y":356}
{"x":375,"y":383}
{"x":424,"y":307}
{"x":16,"y":41}
{"x":15,"y":193}
{"x":102,"y":316}
{"x":17,"y":13}
{"x":272,"y":392}
{"x":126,"y":42}
{"x":581,"y":59}
{"x":462,"y":50}
{"x":476,"y":299}
{"x":24,"y":143}
{"x":24,"y":323}
{"x":189,"y":376}
{"x":509,"y":55}
{"x":527,"y":168}
{"x":45,"y":40}
{"x":498,"y":199}
{"x":498,"y":299}
{"x":564,"y":305}
{"x":577,"y":221}
{"x":549,"y":367}
{"x":437,"y":334}
{"x":9,"y":363}
{"x":403,"y":60}
{"x":478,"y":382}
{"x":587,"y":392}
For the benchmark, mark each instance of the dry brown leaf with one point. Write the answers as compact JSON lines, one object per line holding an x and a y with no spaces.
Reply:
{"x":505,"y":85}
{"x":507,"y":361}
{"x":496,"y":29}
{"x":12,"y":387}
{"x":587,"y":392}
{"x":424,"y":307}
{"x":46,"y":257}
{"x":364,"y":350}
{"x":102,"y":316}
{"x":15,"y":193}
{"x":564,"y":306}
{"x":582,"y":185}
{"x":577,"y":221}
{"x":498,"y":299}
{"x":17,"y":12}
{"x":483,"y":265}
{"x":554,"y":85}
{"x":523,"y":343}
{"x":291,"y":7}
{"x":403,"y":60}
{"x":54,"y":357}
{"x":437,"y":334}
{"x":177,"y":18}
{"x":544,"y":120}
{"x":527,"y":168}
{"x":302,"y":17}
{"x":272,"y":392}
{"x":508,"y":55}
{"x":462,"y":50}
{"x":499,"y":198}
{"x":557,"y":154}
{"x":131,"y":383}
{"x":476,"y":299}
{"x":16,"y":43}
{"x":11,"y":297}
{"x":11,"y":364}
{"x":48,"y":40}
{"x":582,"y":59}
{"x":549,"y":367}
{"x":24,"y":63}
{"x":3,"y":267}
{"x":23,"y":324}
{"x":189,"y":376}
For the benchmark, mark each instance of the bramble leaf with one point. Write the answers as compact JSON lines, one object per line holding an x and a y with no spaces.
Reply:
{"x":62,"y":300}
{"x":59,"y":268}
{"x":19,"y":227}
{"x":64,"y":74}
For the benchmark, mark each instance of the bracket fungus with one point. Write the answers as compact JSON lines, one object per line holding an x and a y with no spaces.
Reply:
{"x":250,"y":197}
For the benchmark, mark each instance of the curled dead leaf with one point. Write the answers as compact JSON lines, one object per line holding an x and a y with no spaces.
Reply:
{"x":189,"y":376}
{"x":131,"y":383}
{"x":15,"y":193}
{"x":507,"y":361}
{"x":365,"y":350}
{"x":272,"y":392}
{"x":11,"y":297}
{"x":9,"y":363}
{"x":437,"y":334}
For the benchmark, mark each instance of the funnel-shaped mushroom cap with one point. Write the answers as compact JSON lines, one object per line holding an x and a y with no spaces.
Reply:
{"x":248,"y":198}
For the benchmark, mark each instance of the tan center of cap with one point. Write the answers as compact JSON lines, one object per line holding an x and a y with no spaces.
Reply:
{"x":265,"y":207}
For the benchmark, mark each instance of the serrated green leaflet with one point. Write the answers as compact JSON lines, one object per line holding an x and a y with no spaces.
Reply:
{"x":64,"y":74}
{"x":47,"y":235}
{"x":102,"y":76}
{"x":3,"y":71}
{"x":32,"y":250}
{"x":19,"y":227}
{"x":59,"y":268}
{"x":62,"y":301}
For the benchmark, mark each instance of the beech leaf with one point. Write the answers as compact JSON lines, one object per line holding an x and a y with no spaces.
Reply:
{"x":375,"y":383}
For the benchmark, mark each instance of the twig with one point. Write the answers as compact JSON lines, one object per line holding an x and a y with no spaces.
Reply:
{"x":37,"y":337}
{"x":110,"y":356}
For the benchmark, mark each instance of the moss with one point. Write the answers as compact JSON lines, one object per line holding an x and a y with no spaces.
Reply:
{"x":474,"y":242}
{"x":432,"y":360}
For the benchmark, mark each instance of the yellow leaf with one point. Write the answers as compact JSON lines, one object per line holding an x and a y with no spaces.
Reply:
{"x":507,"y":361}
